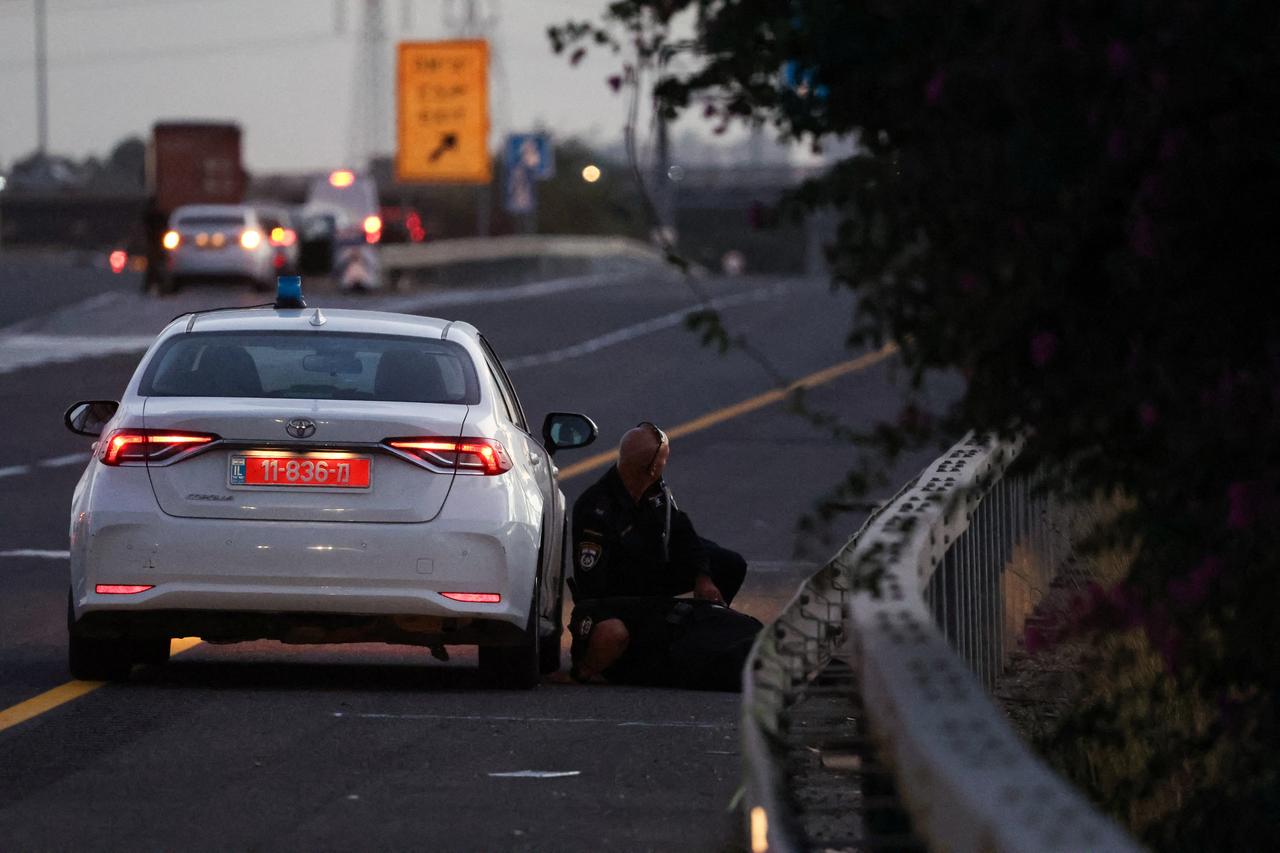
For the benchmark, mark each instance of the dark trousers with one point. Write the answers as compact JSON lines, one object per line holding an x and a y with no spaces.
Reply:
{"x":727,"y":570}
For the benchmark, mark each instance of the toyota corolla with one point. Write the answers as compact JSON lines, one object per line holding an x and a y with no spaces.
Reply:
{"x":311,"y":475}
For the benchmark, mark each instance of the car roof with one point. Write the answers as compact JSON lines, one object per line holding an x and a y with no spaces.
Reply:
{"x":335,"y":320}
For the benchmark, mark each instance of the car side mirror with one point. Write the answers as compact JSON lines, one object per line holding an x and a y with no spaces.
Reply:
{"x":88,"y":417}
{"x":567,"y":431}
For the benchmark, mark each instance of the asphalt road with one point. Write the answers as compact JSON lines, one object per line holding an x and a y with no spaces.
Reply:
{"x":266,"y":746}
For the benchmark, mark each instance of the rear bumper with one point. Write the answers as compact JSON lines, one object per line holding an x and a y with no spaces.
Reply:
{"x":219,"y":262}
{"x":226,"y":579}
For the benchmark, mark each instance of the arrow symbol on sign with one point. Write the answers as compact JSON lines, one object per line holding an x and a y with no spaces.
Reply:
{"x":447,"y":142}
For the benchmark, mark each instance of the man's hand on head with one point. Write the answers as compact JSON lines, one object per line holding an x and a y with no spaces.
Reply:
{"x":705,"y":588}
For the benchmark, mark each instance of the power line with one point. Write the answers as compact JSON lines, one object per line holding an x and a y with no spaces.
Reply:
{"x":11,"y":10}
{"x":125,"y":57}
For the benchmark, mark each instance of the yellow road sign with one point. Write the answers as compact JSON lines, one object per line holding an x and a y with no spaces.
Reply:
{"x":442,"y":112}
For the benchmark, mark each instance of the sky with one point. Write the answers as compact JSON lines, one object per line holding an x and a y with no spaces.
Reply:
{"x":284,"y":69}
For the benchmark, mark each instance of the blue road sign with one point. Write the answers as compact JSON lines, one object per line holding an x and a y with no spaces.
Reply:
{"x":533,"y":152}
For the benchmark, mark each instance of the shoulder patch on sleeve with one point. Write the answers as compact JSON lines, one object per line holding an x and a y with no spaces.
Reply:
{"x":589,"y":555}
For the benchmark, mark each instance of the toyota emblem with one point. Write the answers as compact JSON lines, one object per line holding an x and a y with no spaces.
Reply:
{"x":301,"y":428}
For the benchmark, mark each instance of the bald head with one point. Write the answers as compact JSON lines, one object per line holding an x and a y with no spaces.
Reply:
{"x":642,"y":455}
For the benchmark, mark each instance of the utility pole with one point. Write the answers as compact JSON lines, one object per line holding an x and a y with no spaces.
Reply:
{"x":371,"y":92}
{"x":473,"y":23}
{"x":663,"y":190}
{"x":42,"y":81}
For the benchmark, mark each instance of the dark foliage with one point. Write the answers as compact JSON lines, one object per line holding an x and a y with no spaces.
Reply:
{"x":1072,"y":203}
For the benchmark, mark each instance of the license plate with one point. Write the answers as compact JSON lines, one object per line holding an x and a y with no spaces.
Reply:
{"x":309,"y":470}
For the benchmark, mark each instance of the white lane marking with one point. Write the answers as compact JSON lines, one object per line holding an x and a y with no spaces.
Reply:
{"x":646,"y":327}
{"x":491,"y":718}
{"x":66,"y":459}
{"x":21,"y":351}
{"x":535,"y":774}
{"x":37,"y":552}
{"x":13,"y":470}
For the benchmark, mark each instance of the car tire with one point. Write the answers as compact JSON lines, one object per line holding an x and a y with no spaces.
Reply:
{"x":515,"y":667}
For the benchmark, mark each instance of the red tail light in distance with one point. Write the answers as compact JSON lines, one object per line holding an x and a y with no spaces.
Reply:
{"x":480,"y":455}
{"x":139,"y":446}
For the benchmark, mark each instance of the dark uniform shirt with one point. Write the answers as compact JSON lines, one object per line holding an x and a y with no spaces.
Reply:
{"x":623,"y":547}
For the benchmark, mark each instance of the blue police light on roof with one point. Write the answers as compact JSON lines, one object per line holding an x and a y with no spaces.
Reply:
{"x":289,"y":292}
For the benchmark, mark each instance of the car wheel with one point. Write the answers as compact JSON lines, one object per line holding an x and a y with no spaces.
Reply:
{"x":93,"y":659}
{"x":515,"y":667}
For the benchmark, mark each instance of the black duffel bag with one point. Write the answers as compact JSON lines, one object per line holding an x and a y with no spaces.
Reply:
{"x":675,"y":642}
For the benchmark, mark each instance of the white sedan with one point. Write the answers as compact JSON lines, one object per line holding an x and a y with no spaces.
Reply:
{"x":318,"y":476}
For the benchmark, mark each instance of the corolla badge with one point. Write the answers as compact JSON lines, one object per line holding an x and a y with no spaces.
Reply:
{"x":301,"y":428}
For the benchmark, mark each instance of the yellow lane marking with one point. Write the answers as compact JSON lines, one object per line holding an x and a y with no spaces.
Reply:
{"x":51,"y":699}
{"x":61,"y":695}
{"x":768,"y":398}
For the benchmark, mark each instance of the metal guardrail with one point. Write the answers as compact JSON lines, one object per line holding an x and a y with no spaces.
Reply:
{"x":919,"y":597}
{"x":398,"y":256}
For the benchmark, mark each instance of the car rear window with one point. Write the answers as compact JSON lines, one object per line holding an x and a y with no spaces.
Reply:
{"x":224,"y":221}
{"x":307,"y":365}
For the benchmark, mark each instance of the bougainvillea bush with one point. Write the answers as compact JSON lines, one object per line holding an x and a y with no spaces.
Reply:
{"x":1075,"y":204}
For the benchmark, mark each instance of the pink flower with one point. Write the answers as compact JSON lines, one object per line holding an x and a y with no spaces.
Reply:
{"x":1148,"y":415}
{"x":1194,"y":588}
{"x":933,"y":89}
{"x":1117,"y":144}
{"x":1043,"y":346}
{"x":1242,"y":509}
{"x":1142,"y":241}
{"x":1171,"y":142}
{"x":1118,"y":56}
{"x":1070,"y":40}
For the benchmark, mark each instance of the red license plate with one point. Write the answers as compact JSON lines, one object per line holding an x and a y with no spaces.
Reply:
{"x":327,"y":471}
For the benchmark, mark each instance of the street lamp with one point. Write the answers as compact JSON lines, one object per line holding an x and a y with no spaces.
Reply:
{"x":591,"y":173}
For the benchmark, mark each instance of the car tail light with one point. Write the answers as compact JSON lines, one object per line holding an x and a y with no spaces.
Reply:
{"x":278,"y":260}
{"x":139,"y":446}
{"x":251,"y":239}
{"x":373,"y":228}
{"x":122,"y":588}
{"x":480,"y":455}
{"x":283,"y":236}
{"x":118,"y":259}
{"x":474,"y":597}
{"x":341,"y":178}
{"x":171,"y":239}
